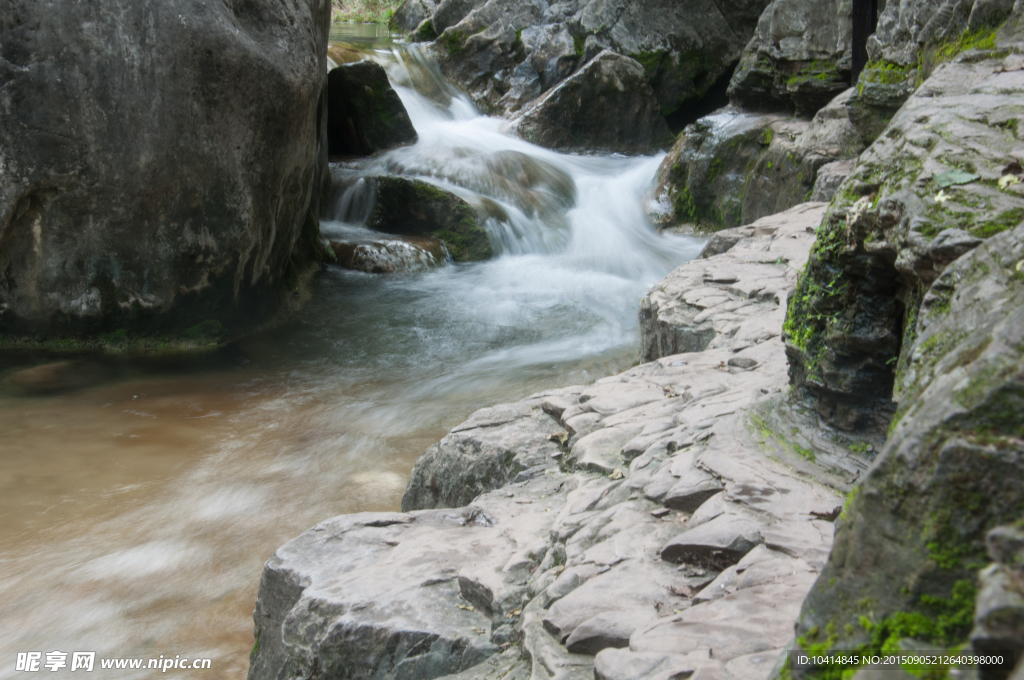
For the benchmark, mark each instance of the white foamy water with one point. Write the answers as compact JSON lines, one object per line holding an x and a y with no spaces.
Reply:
{"x":137,"y":513}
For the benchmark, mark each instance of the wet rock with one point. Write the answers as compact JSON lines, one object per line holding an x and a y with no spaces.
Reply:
{"x":507,"y":53}
{"x":898,"y":223}
{"x":607,"y":106}
{"x":364,"y":114}
{"x":413,"y":208}
{"x":799,"y":58}
{"x":733,"y":167}
{"x":171,"y":184}
{"x":389,"y":256}
{"x":953,"y":460}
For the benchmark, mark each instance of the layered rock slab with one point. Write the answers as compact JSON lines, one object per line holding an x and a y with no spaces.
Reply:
{"x":570,"y":563}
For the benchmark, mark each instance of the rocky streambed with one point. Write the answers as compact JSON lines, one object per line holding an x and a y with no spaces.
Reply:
{"x":664,"y":521}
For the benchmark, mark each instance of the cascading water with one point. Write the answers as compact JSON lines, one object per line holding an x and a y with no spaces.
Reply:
{"x":138,"y":511}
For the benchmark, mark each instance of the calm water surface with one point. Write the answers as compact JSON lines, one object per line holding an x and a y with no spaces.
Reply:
{"x":137,"y":509}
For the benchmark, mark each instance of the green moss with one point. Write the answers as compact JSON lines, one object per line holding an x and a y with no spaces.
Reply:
{"x":767,"y":135}
{"x":651,"y":61}
{"x":426,"y":32}
{"x":578,"y":43}
{"x":1006,"y":220}
{"x":454,"y":42}
{"x":715,"y":170}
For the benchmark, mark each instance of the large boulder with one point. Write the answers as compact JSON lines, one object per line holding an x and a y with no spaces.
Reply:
{"x":364,"y":113}
{"x":507,"y":53}
{"x":411,"y":207}
{"x":799,"y":58}
{"x":918,"y":199}
{"x":161,"y":167}
{"x":607,"y":105}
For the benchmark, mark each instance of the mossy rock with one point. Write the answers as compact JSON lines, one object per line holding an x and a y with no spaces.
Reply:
{"x":909,"y":545}
{"x":411,"y":207}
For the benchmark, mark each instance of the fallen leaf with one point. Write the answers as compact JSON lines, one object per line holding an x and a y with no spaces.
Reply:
{"x":683,"y":591}
{"x":466,"y":607}
{"x":941,"y":197}
{"x":1008,"y":180}
{"x":955,"y":177}
{"x":616,"y":474}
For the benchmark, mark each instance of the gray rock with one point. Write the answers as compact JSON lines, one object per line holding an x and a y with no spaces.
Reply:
{"x":192,"y":128}
{"x":799,"y":58}
{"x":607,"y":105}
{"x":364,"y":113}
{"x":688,"y":312}
{"x":477,"y":456}
{"x":830,"y":177}
{"x":507,"y":53}
{"x":411,"y":13}
{"x":622,"y":664}
{"x":719,"y":543}
{"x":610,"y":629}
{"x":692,"y":490}
{"x":906,"y":212}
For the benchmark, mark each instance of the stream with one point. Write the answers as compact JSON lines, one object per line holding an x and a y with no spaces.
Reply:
{"x":139,"y":505}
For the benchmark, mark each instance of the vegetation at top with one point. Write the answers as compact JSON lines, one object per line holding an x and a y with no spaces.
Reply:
{"x":364,"y":11}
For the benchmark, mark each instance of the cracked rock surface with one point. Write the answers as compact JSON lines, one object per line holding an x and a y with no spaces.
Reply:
{"x":654,"y":524}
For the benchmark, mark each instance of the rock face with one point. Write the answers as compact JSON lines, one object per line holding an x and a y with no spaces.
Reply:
{"x":735,"y":167}
{"x":799,"y":58}
{"x":414,"y":208}
{"x":162,"y":172}
{"x":918,"y":199}
{"x":999,"y":609}
{"x":606,"y":106}
{"x":949,"y":472}
{"x":506,"y":53}
{"x":383,"y":255}
{"x":653,"y":525}
{"x":913,"y":38}
{"x":364,"y":113}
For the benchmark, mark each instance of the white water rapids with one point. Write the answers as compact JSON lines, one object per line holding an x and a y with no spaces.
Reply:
{"x":138,"y":511}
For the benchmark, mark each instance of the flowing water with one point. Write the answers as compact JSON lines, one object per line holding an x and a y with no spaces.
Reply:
{"x":139,"y":505}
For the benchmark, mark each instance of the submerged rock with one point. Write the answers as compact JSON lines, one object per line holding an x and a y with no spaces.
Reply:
{"x":410,"y":207}
{"x":364,"y":114}
{"x":607,"y":106}
{"x":158,"y":175}
{"x":390,"y":255}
